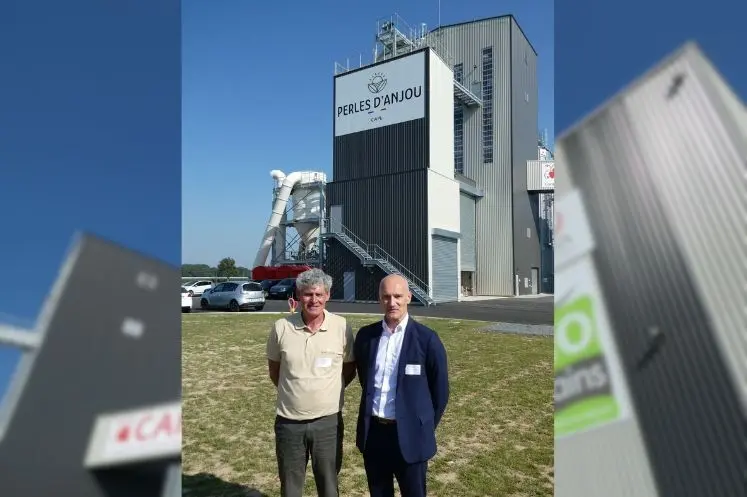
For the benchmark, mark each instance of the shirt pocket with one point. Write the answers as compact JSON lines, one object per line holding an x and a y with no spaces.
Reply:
{"x":329,"y":359}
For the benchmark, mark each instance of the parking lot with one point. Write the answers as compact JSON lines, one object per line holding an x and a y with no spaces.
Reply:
{"x":535,"y":310}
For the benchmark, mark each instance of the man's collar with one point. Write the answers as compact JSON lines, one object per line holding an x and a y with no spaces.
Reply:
{"x":298,"y":323}
{"x":401,"y":326}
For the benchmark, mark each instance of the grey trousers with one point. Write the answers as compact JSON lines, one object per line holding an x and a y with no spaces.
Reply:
{"x":296,"y":441}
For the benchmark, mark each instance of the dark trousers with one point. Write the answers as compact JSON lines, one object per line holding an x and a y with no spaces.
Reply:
{"x":383,"y":461}
{"x":296,"y":441}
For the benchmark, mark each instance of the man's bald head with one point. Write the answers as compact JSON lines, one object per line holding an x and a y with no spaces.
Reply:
{"x":394,"y":280}
{"x":394,"y":295}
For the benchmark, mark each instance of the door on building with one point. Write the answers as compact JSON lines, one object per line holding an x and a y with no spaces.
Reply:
{"x":535,"y":282}
{"x":335,"y":218}
{"x":348,"y":286}
{"x":445,"y":269}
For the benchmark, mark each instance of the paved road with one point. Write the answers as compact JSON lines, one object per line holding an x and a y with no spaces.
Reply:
{"x":534,"y":310}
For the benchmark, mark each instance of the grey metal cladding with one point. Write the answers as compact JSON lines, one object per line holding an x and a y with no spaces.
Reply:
{"x":467,"y":225}
{"x":524,"y":109}
{"x":445,"y":269}
{"x":494,"y":237}
{"x":339,"y":260}
{"x":390,"y":211}
{"x":534,"y":175}
{"x":86,"y":366}
{"x":685,"y":388}
{"x":386,"y":150}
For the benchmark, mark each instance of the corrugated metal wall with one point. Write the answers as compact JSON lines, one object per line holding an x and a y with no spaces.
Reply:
{"x":494,"y":213}
{"x":646,"y":205}
{"x":534,"y":175}
{"x":445,"y":269}
{"x":546,"y":227}
{"x":390,"y":211}
{"x":339,"y":260}
{"x":467,"y":225}
{"x":387,"y":150}
{"x":524,"y":109}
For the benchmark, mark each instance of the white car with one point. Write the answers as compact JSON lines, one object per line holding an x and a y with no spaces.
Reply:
{"x":186,"y":301}
{"x":195,"y":288}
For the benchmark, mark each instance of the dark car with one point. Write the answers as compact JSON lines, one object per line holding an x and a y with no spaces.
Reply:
{"x":267,"y":284}
{"x":284,"y":289}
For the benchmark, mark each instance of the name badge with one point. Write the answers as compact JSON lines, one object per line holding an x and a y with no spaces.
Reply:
{"x":323,"y":362}
{"x":412,"y":369}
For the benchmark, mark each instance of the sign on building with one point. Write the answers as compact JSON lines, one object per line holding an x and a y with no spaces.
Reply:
{"x":548,"y":175}
{"x":379,"y":95}
{"x":93,"y":410}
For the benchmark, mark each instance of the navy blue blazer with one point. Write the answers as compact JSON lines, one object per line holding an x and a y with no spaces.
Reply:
{"x":420,"y":400}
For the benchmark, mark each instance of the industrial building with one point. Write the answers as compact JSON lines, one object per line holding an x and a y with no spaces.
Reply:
{"x":435,"y":155}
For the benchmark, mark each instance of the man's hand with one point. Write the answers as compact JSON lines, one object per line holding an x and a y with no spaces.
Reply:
{"x":348,"y":372}
{"x":274,"y":368}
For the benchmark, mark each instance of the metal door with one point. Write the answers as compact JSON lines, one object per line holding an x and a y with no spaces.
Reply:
{"x":445,"y":269}
{"x":348,"y":286}
{"x":335,"y":218}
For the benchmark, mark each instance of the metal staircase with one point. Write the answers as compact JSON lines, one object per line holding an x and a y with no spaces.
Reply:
{"x":373,"y":255}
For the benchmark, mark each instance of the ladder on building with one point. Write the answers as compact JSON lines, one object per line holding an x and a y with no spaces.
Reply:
{"x":373,"y":255}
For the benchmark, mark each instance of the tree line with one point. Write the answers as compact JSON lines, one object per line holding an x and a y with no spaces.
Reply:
{"x":226,"y":268}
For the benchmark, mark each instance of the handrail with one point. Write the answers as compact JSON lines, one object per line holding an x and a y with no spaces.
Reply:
{"x":378,"y":253}
{"x":398,"y":266}
{"x":358,"y":241}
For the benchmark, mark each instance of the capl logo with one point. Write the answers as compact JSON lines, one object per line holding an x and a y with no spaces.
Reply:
{"x":583,"y":388}
{"x":377,"y":83}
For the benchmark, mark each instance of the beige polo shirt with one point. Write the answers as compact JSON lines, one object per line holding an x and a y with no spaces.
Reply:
{"x":310,"y":384}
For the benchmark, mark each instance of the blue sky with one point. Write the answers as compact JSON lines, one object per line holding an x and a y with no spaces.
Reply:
{"x":600,"y":47}
{"x":257,"y":96}
{"x":89,"y":139}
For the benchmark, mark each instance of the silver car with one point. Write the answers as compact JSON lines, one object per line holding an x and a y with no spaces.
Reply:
{"x":235,"y":296}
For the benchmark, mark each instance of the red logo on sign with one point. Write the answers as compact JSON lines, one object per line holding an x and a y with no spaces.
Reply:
{"x":150,"y":427}
{"x":550,"y":171}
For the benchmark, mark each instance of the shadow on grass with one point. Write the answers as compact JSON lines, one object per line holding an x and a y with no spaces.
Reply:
{"x":207,"y":485}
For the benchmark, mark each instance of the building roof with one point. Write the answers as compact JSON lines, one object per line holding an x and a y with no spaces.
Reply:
{"x":510,"y":16}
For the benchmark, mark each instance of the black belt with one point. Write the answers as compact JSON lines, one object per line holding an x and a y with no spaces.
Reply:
{"x":383,"y":421}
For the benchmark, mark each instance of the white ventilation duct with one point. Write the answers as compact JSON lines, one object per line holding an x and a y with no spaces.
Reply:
{"x":308,"y":207}
{"x":278,"y":208}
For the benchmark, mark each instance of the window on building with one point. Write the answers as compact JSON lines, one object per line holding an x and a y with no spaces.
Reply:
{"x":458,"y":125}
{"x":487,"y":105}
{"x":459,"y":73}
{"x":458,"y":139}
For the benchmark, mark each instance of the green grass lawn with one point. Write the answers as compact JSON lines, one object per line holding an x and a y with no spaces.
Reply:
{"x":496,"y":438}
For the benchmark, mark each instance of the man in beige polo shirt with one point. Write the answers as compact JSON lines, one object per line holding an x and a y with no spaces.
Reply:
{"x":310,"y":358}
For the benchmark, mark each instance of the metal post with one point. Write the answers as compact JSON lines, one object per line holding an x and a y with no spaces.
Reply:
{"x":22,"y":339}
{"x":172,"y":486}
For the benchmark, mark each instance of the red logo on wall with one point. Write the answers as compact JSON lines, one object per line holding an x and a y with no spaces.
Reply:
{"x":550,"y":172}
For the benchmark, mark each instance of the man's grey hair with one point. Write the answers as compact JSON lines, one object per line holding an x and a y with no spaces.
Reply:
{"x":314,"y":277}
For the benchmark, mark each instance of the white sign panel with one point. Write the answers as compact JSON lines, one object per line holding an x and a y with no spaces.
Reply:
{"x":573,"y":237}
{"x":137,"y":435}
{"x":548,"y":175}
{"x":389,"y":93}
{"x":590,"y":389}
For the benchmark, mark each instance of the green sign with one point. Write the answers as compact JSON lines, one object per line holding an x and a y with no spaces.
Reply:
{"x":584,"y":397}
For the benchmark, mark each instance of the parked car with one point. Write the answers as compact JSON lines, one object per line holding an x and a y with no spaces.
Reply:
{"x":235,"y":296}
{"x":196,"y":288}
{"x":284,"y":289}
{"x":267,"y":284}
{"x":186,"y":301}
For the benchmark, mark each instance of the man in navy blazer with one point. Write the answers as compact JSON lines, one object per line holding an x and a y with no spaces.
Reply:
{"x":402,"y":368}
